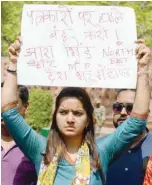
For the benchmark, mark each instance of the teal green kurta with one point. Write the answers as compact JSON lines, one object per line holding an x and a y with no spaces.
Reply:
{"x":33,"y":145}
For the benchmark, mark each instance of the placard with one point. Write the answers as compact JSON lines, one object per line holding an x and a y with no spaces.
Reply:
{"x":84,"y":46}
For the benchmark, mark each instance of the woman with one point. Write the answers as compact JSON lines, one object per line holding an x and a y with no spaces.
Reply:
{"x":71,"y":155}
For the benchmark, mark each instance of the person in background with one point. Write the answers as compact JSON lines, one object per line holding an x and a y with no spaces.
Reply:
{"x":16,"y":169}
{"x":128,"y":169}
{"x":148,"y":172}
{"x":71,"y":155}
{"x":100,"y":114}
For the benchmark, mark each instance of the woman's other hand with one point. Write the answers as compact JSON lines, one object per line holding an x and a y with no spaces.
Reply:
{"x":14,"y":50}
{"x":143,"y":55}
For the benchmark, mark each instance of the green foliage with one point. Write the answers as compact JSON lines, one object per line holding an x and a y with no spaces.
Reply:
{"x":40,"y":108}
{"x":11,"y":17}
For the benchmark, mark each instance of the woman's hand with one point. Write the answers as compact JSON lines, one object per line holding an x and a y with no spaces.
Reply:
{"x":143,"y":55}
{"x":9,"y":91}
{"x":14,"y":50}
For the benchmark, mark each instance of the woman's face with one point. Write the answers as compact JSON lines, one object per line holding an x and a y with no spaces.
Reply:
{"x":71,"y":118}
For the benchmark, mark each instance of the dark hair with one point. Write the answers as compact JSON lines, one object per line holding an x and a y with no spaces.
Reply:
{"x":23,"y":93}
{"x":54,"y":138}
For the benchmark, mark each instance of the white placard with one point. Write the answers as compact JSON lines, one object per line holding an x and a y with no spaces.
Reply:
{"x":85,"y":46}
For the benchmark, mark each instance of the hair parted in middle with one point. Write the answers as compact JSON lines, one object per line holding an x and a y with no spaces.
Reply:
{"x":55,"y":139}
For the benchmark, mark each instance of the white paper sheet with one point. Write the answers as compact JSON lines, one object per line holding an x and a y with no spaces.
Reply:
{"x":85,"y":46}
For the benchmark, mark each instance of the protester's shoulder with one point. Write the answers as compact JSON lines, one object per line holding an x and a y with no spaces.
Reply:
{"x":150,"y":133}
{"x":149,"y":136}
{"x":147,"y":140}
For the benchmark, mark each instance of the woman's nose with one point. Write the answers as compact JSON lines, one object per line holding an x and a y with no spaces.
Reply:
{"x":70,"y":117}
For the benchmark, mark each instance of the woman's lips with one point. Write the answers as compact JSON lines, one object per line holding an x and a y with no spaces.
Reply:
{"x":70,"y":128}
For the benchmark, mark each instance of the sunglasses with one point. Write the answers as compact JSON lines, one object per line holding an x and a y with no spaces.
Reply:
{"x":117,"y":107}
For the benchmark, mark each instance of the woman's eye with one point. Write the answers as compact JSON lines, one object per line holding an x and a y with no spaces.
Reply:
{"x":63,"y":112}
{"x":77,"y":113}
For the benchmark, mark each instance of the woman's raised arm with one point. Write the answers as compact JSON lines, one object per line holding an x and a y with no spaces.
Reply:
{"x":30,"y":142}
{"x":125,"y":134}
{"x":142,"y":98}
